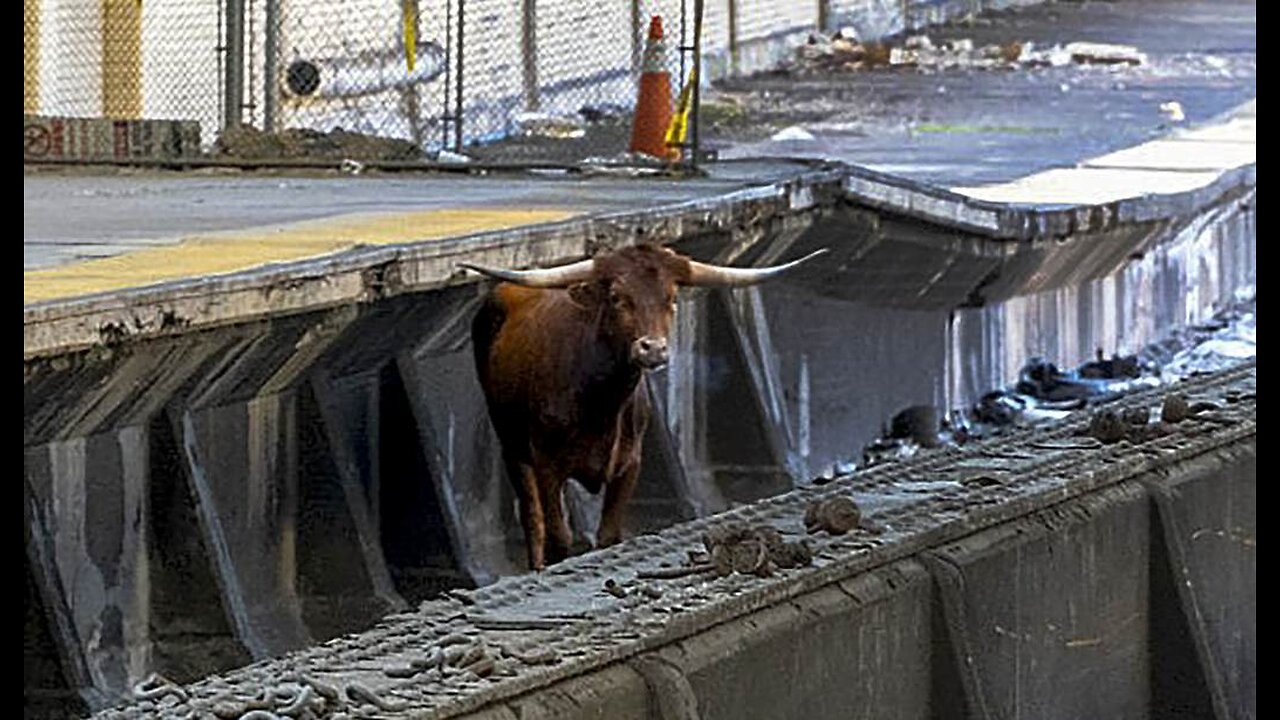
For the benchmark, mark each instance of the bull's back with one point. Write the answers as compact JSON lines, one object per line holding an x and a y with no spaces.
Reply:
{"x":517,"y":343}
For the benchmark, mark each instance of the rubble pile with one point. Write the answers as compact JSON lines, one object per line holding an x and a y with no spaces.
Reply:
{"x":248,"y":142}
{"x":842,"y":52}
{"x":751,"y":550}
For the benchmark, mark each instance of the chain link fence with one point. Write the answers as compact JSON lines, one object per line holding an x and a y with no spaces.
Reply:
{"x":481,"y":81}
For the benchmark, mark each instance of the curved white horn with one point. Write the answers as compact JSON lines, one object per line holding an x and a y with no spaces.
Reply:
{"x":704,"y":275}
{"x":555,"y":277}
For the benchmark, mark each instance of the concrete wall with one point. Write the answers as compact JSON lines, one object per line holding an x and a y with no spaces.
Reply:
{"x":1137,"y":600}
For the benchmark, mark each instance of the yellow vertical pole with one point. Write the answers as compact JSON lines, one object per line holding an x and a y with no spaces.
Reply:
{"x":122,"y":59}
{"x":409,"y":14}
{"x":31,"y":56}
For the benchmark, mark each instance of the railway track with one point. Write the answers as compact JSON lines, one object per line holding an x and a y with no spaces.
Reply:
{"x":468,"y":649}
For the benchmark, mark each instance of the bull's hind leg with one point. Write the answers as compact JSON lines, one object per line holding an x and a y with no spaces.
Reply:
{"x":531,"y":514}
{"x":617,"y":494}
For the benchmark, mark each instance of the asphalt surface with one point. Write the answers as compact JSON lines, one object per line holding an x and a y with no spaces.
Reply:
{"x":967,"y":126}
{"x":73,"y":217}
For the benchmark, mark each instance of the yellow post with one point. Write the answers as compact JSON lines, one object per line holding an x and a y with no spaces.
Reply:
{"x":31,"y":56}
{"x":678,"y":131}
{"x":122,"y":59}
{"x":409,"y":13}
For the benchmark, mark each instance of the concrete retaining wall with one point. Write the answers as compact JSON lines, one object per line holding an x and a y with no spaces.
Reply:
{"x":1076,"y":610}
{"x":320,"y":434}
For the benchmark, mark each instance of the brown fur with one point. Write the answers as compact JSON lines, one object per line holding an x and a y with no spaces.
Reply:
{"x":563,"y":391}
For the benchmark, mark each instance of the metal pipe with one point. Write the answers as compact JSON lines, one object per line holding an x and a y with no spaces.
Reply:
{"x":529,"y":49}
{"x":457,"y":99}
{"x":270,"y":66}
{"x":233,"y":80}
{"x":697,"y":76}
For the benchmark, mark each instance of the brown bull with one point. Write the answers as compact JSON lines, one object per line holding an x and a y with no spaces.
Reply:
{"x":560,"y":353}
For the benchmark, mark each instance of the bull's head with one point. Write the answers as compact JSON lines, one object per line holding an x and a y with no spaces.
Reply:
{"x":634,"y":290}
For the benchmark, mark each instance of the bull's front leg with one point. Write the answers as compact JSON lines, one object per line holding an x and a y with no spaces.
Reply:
{"x":617,"y":494}
{"x":559,"y":538}
{"x":531,"y":514}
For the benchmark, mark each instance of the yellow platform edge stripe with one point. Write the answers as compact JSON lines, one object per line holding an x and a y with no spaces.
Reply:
{"x":219,"y":253}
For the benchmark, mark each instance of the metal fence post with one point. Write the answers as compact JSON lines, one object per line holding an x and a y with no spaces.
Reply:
{"x":233,"y":80}
{"x":637,"y":44}
{"x":697,"y":77}
{"x":270,"y":66}
{"x":529,"y":47}
{"x":733,"y":37}
{"x":457,"y":100}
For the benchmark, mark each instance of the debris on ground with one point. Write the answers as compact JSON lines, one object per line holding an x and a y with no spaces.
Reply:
{"x":1045,"y":393}
{"x":841,"y":53}
{"x":604,"y":112}
{"x":795,"y":132}
{"x":540,"y":124}
{"x":918,"y":423}
{"x":449,"y":157}
{"x":1173,"y":110}
{"x":248,"y":142}
{"x":759,"y":550}
{"x":1117,"y":368}
{"x":625,"y":164}
{"x":1174,"y":409}
{"x":837,"y":515}
{"x":721,"y":111}
{"x":1088,"y":53}
{"x":612,"y":587}
{"x":1136,"y":425}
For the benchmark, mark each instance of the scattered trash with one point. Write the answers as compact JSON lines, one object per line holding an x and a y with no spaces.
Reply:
{"x":612,"y":587}
{"x":538,"y":124}
{"x":449,"y":157}
{"x":1045,"y":393}
{"x":1114,"y":369}
{"x":604,"y":112}
{"x":884,"y":449}
{"x":918,"y":423}
{"x":795,"y":132}
{"x":1173,"y":109}
{"x":843,"y":53}
{"x":1105,"y":54}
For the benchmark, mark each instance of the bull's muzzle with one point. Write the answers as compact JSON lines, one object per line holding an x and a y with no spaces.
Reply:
{"x":649,"y":352}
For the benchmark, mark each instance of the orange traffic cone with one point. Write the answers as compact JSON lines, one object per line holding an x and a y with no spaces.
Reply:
{"x":653,"y":106}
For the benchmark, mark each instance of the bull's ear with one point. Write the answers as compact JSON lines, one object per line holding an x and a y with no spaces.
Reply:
{"x":585,"y":294}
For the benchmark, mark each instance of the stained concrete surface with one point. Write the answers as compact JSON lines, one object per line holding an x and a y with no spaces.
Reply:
{"x":69,"y":217}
